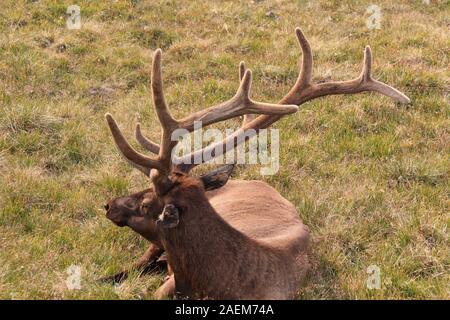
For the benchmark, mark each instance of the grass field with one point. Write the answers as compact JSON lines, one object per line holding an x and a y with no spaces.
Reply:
{"x":369,"y":177}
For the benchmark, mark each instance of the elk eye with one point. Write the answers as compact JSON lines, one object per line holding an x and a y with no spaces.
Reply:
{"x":146,"y":203}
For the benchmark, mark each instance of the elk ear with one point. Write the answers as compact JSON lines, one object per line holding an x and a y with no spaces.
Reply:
{"x":217,"y":178}
{"x":169,"y":218}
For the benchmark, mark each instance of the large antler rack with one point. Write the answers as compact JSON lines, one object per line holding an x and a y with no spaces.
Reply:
{"x":303,"y":90}
{"x":238,"y":105}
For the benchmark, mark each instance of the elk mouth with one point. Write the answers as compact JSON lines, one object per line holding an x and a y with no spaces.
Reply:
{"x":114,"y":218}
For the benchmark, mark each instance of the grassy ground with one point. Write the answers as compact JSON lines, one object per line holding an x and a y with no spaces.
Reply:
{"x":369,"y":177}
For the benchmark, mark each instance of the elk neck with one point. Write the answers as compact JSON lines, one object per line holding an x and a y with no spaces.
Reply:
{"x":201,"y":248}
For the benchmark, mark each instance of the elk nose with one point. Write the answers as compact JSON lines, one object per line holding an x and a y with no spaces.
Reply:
{"x":106,"y":206}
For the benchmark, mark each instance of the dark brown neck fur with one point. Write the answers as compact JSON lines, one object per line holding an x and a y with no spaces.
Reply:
{"x":202,"y":247}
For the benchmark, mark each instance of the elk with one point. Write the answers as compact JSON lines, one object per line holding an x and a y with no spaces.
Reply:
{"x":211,"y":257}
{"x":253,"y":207}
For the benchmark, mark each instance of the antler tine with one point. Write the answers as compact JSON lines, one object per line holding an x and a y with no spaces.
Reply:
{"x":378,"y":86}
{"x":305,"y":76}
{"x":247,"y":117}
{"x":162,"y":111}
{"x":168,"y":123}
{"x":242,"y":69}
{"x":366,"y":72}
{"x":146,"y":143}
{"x":304,"y":90}
{"x":138,"y":160}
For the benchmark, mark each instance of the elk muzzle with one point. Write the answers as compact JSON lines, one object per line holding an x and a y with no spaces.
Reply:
{"x":169,"y":218}
{"x":115,"y":215}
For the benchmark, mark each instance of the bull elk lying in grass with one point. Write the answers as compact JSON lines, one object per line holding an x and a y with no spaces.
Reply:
{"x":252,"y":207}
{"x":233,"y":242}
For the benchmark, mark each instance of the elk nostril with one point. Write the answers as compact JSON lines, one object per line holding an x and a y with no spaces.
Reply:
{"x":106,"y":207}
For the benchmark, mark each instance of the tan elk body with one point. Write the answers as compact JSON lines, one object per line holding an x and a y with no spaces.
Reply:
{"x":228,"y":249}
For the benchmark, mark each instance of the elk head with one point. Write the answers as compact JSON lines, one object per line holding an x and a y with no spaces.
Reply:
{"x":138,"y":210}
{"x":121,"y":210}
